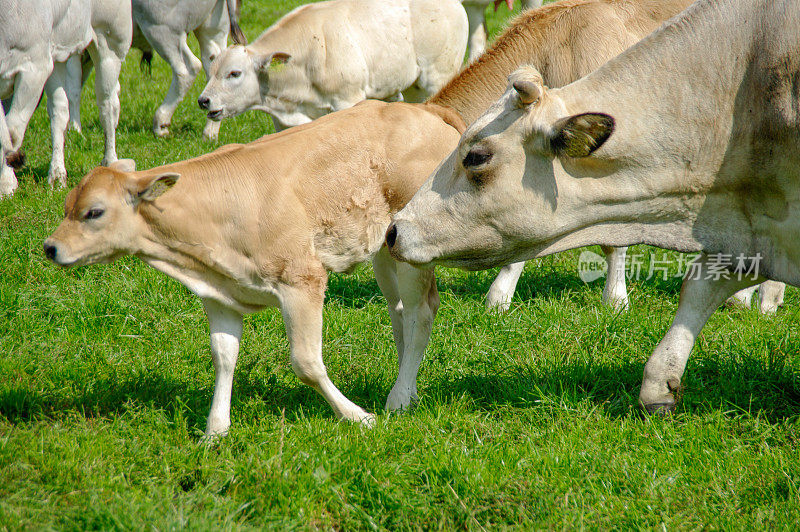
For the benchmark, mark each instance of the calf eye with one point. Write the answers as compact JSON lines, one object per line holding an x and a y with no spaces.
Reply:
{"x":93,"y":214}
{"x":234,"y":74}
{"x":477,"y":156}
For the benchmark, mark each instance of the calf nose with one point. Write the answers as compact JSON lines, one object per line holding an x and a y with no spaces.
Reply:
{"x":50,"y":251}
{"x":203,"y":102}
{"x":391,"y":235}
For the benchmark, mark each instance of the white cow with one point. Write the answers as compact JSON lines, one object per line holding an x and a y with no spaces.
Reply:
{"x":476,"y":14}
{"x":163,"y":26}
{"x":331,"y":55}
{"x":36,"y":40}
{"x":689,"y":140}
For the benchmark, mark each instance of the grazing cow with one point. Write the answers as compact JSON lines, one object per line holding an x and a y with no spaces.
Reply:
{"x":689,"y":140}
{"x":257,"y":225}
{"x":163,"y":26}
{"x":331,"y":55}
{"x":36,"y":40}
{"x":476,"y":15}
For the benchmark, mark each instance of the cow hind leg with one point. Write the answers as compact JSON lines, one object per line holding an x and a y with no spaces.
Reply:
{"x":700,"y":297}
{"x":302,"y":315}
{"x":477,"y":29}
{"x":615,"y":292}
{"x":505,"y":284}
{"x":74,"y":86}
{"x":420,"y":302}
{"x":58,"y":109}
{"x":8,"y":180}
{"x":225,"y":329}
{"x":185,"y":67}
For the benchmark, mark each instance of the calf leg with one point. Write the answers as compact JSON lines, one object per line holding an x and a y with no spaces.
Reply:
{"x":58,"y":109}
{"x":700,"y":297}
{"x":302,"y":315}
{"x":107,"y":54}
{"x":225,"y":328}
{"x":185,"y":66}
{"x":477,"y":29}
{"x":505,"y":284}
{"x":615,"y":293}
{"x":420,"y":301}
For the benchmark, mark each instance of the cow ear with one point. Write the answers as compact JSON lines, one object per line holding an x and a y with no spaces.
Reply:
{"x":273,"y":61}
{"x":155,"y":186}
{"x":123,"y":165}
{"x":580,"y":135}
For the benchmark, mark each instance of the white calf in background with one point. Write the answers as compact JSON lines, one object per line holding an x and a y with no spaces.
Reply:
{"x":328,"y":56}
{"x":163,"y":26}
{"x":476,"y":13}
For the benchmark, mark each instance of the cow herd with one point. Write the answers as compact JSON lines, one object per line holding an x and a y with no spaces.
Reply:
{"x":614,"y":122}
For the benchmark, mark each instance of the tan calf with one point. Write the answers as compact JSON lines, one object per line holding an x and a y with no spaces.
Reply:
{"x":258,"y":225}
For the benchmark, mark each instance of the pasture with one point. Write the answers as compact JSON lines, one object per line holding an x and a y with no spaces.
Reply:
{"x":527,"y":419}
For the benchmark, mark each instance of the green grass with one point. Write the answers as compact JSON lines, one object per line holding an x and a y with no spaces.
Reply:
{"x":527,"y":419}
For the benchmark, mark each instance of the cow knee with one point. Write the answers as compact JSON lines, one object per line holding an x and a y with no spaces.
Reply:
{"x":310,"y":372}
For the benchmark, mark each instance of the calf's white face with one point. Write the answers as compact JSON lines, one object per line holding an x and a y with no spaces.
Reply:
{"x":237,"y":80}
{"x":500,"y":197}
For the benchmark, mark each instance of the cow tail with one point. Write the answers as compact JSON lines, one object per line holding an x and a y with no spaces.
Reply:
{"x":237,"y":35}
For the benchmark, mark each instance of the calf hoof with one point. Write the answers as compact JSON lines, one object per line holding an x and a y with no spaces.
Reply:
{"x":161,"y":130}
{"x":15,"y":159}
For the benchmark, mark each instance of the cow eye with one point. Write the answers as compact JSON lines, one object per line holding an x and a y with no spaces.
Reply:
{"x":234,"y":74}
{"x":477,"y":156}
{"x":93,"y":214}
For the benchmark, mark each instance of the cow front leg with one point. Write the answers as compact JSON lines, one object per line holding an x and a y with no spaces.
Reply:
{"x":225,"y":329}
{"x":58,"y":109}
{"x":700,"y":297}
{"x":107,"y":55}
{"x":302,"y":315}
{"x":476,"y":19}
{"x":615,"y":292}
{"x":505,"y":284}
{"x":8,"y":180}
{"x":212,"y":37}
{"x":420,"y":302}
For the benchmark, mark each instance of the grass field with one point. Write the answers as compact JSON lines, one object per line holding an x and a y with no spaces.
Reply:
{"x":527,"y":419}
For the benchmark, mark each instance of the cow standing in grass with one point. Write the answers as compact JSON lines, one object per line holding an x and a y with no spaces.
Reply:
{"x":328,"y":56}
{"x":690,"y":140}
{"x":259,"y":225}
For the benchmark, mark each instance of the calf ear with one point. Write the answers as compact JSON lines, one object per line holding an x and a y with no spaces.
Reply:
{"x":580,"y":135}
{"x":267,"y":62}
{"x":155,"y":186}
{"x":123,"y":165}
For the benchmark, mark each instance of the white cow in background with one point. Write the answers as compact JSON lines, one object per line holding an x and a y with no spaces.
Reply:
{"x":36,"y":40}
{"x":163,"y":26}
{"x":476,"y":13}
{"x":328,"y":56}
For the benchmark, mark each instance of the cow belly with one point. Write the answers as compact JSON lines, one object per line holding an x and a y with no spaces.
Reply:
{"x":342,"y":248}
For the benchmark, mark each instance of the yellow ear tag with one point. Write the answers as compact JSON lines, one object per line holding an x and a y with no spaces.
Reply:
{"x":276,"y":65}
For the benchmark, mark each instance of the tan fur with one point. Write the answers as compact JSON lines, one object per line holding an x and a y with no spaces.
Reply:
{"x":565,"y":41}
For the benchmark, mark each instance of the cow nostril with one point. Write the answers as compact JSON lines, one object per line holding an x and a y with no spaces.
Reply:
{"x":50,"y":251}
{"x":203,"y":102}
{"x":391,"y":235}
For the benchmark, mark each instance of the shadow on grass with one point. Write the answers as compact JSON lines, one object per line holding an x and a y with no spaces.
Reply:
{"x":771,"y":391}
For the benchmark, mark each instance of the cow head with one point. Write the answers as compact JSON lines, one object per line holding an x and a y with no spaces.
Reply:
{"x":237,"y":80}
{"x":101,"y":218}
{"x":510,"y":188}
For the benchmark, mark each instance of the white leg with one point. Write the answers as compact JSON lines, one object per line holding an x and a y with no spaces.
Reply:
{"x":477,"y":29}
{"x":107,"y":55}
{"x":505,"y":284}
{"x":185,"y":66}
{"x":700,"y":297}
{"x":742,"y":298}
{"x":615,"y":293}
{"x":770,"y":296}
{"x":74,"y":85}
{"x":419,"y":303}
{"x":385,"y":268}
{"x":212,"y":41}
{"x":28,"y":87}
{"x":531,"y":4}
{"x":8,"y":180}
{"x":302,"y":314}
{"x":225,"y":328}
{"x":58,"y":109}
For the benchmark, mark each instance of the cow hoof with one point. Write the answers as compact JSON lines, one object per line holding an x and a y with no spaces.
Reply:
{"x":659,"y":409}
{"x":161,"y":131}
{"x":210,"y":138}
{"x":57,"y":178}
{"x":15,"y":159}
{"x":367,"y":421}
{"x":399,"y":402}
{"x":76,"y":127}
